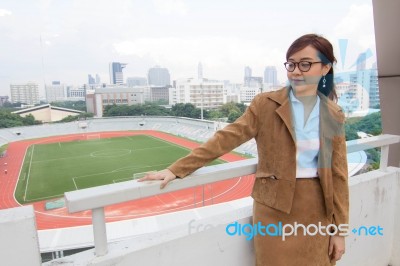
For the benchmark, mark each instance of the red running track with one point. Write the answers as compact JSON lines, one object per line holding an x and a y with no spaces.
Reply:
{"x":218,"y":192}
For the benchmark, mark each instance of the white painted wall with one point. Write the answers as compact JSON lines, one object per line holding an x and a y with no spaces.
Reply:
{"x":19,"y":244}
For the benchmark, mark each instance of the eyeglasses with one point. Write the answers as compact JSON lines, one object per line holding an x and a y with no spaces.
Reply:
{"x":304,"y":66}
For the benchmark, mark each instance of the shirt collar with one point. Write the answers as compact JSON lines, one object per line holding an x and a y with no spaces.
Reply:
{"x":293,"y":98}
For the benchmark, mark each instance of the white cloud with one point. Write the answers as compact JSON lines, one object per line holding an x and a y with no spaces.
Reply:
{"x":358,"y":27}
{"x":5,"y":12}
{"x":169,"y":7}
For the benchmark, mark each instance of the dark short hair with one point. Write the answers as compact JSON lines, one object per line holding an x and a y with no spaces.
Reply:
{"x":325,"y":49}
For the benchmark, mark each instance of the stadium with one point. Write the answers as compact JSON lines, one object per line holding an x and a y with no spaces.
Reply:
{"x":43,"y":162}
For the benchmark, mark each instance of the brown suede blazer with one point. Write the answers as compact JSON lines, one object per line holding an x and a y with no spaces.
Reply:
{"x":268,"y":120}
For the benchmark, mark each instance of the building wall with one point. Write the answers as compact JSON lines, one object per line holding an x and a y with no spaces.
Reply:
{"x":119,"y":95}
{"x":136,"y":81}
{"x":248,"y":93}
{"x":201,"y":93}
{"x":386,"y":23}
{"x":55,"y":93}
{"x":27,"y":93}
{"x":47,"y":115}
{"x":76,"y":94}
{"x":159,"y":93}
{"x":158,"y":76}
{"x":352,"y":97}
{"x":57,"y":115}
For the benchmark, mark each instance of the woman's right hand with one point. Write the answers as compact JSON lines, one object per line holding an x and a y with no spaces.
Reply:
{"x":166,"y":175}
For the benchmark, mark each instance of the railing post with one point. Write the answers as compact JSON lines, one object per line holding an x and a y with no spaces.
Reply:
{"x":99,"y":231}
{"x":384,"y":158}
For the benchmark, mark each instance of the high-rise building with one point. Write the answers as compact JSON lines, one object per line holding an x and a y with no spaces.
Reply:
{"x":247,"y":75}
{"x":201,"y":93}
{"x":270,"y":76}
{"x":374,"y":99}
{"x":158,"y":76}
{"x":27,"y":93}
{"x":247,"y":72}
{"x":97,"y":79}
{"x":200,"y":71}
{"x":368,"y":80}
{"x":55,"y":92}
{"x":91,"y":79}
{"x":361,"y":61}
{"x":116,"y":74}
{"x":353,"y":98}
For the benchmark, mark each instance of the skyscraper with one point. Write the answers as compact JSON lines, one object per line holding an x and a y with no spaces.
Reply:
{"x":361,"y":61}
{"x":270,"y":76}
{"x":200,"y":71}
{"x":158,"y":76}
{"x":247,"y":72}
{"x":97,"y":79}
{"x":116,"y":75}
{"x":247,"y":75}
{"x":91,"y":79}
{"x":55,"y":92}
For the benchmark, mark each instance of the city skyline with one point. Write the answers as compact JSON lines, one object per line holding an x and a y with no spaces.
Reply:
{"x":66,"y":40}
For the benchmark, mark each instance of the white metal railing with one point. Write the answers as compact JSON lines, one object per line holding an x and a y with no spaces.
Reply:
{"x":97,"y":198}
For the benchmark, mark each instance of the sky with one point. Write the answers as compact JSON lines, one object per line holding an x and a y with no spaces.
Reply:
{"x":65,"y":40}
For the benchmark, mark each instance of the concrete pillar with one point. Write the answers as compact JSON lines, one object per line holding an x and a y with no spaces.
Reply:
{"x":387,"y":21}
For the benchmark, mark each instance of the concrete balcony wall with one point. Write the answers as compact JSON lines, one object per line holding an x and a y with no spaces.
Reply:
{"x":19,"y":243}
{"x":374,"y":200}
{"x":199,"y":242}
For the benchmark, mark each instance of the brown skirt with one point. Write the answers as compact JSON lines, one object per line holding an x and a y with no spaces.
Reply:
{"x":297,"y":250}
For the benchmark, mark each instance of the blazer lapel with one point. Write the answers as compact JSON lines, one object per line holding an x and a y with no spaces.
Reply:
{"x":284,"y":111}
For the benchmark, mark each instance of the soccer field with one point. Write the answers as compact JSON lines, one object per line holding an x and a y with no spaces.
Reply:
{"x":49,"y":170}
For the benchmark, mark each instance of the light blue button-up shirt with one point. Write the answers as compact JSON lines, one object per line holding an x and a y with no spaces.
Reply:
{"x":307,"y":138}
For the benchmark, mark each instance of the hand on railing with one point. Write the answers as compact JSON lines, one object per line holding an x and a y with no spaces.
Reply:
{"x":166,"y":175}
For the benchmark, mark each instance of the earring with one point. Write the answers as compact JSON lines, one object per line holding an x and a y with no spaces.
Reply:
{"x":323,"y":82}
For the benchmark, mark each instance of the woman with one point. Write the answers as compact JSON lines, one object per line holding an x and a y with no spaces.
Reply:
{"x":301,"y":175}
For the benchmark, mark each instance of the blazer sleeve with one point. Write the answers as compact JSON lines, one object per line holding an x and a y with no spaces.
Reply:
{"x":340,"y":178}
{"x":223,"y":141}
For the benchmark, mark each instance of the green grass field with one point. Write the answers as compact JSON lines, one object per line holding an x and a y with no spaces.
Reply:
{"x":49,"y":170}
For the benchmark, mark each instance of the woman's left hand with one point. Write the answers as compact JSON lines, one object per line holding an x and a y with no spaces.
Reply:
{"x":336,"y":247}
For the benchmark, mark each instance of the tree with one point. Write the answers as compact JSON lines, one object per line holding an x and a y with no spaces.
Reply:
{"x":370,"y":124}
{"x":185,"y":110}
{"x":8,"y":119}
{"x":75,"y":105}
{"x":30,"y":120}
{"x":135,"y":110}
{"x":71,"y":118}
{"x":233,"y":115}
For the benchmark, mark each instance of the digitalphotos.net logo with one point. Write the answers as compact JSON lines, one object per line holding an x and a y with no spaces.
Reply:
{"x":295,"y":229}
{"x":285,"y":230}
